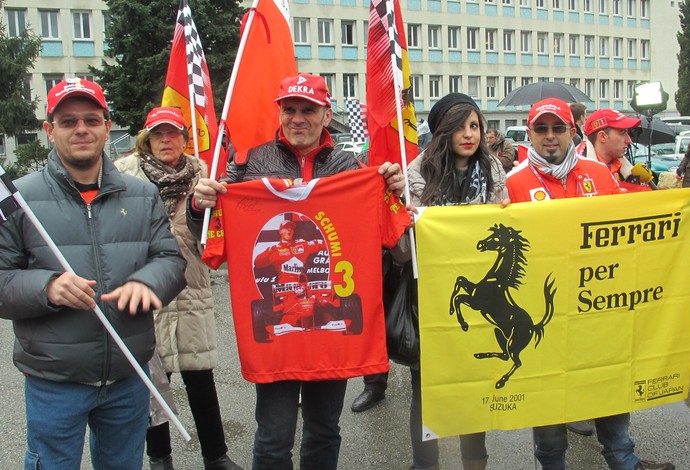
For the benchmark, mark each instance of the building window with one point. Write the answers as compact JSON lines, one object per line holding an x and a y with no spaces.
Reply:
{"x":435,"y":87}
{"x":603,"y":7}
{"x":490,"y":38}
{"x":525,"y":42}
{"x":350,"y":85}
{"x":365,"y":27}
{"x":508,"y":2}
{"x":16,"y":22}
{"x":434,"y":37}
{"x":603,"y":47}
{"x":644,"y":8}
{"x":51,"y":81}
{"x":632,"y":48}
{"x":525,"y":81}
{"x":414,"y":32}
{"x":572,"y":5}
{"x":508,"y":41}
{"x":557,"y":5}
{"x":325,"y":32}
{"x":618,"y":89}
{"x":3,"y":151}
{"x":644,"y":49}
{"x":631,"y":7}
{"x":23,"y":139}
{"x":617,"y":8}
{"x":416,"y":81}
{"x":589,"y":87}
{"x":604,"y":89}
{"x":617,"y":48}
{"x":472,"y":38}
{"x":541,"y":3}
{"x":589,"y":44}
{"x":82,"y":24}
{"x":587,"y":6}
{"x":300,"y":30}
{"x":558,"y":44}
{"x":575,"y":82}
{"x":541,"y":43}
{"x":631,"y":87}
{"x":49,"y":24}
{"x":329,"y":78}
{"x":453,"y":37}
{"x":574,"y":45}
{"x":473,"y":86}
{"x":524,"y":3}
{"x":348,"y":33}
{"x":508,"y":84}
{"x":491,"y":87}
{"x":455,"y":84}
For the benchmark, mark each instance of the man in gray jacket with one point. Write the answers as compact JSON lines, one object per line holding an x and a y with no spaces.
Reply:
{"x":113,"y":230}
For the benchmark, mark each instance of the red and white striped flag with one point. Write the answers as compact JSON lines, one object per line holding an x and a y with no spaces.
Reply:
{"x":188,"y":86}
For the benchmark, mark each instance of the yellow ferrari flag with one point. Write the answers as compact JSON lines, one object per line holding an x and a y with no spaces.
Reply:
{"x":552,"y":312}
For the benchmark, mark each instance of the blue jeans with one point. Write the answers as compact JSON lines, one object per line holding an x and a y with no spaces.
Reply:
{"x":425,"y":453}
{"x":612,"y":432}
{"x":57,"y":414}
{"x":276,"y":416}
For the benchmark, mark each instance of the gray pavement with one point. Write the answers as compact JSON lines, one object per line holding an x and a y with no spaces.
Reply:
{"x":375,"y":439}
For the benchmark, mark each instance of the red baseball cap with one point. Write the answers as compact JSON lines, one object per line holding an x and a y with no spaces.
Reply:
{"x":551,"y":106}
{"x":306,"y":86}
{"x":72,"y":87}
{"x":165,"y":115}
{"x":603,"y":118}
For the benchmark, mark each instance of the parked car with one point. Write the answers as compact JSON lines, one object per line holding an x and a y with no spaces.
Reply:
{"x":517,"y":133}
{"x":660,"y":163}
{"x":341,"y":137}
{"x":355,"y":147}
{"x":664,"y":149}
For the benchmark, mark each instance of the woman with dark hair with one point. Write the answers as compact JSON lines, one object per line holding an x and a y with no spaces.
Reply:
{"x":456,"y":168}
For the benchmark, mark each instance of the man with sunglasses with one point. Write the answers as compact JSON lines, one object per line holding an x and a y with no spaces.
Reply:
{"x":113,"y":230}
{"x":553,"y":170}
{"x":608,"y":138}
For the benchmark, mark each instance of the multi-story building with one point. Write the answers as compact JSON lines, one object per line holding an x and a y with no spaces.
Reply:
{"x":484,"y":48}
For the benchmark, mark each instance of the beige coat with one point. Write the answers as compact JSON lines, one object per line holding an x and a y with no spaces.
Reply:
{"x":186,"y":328}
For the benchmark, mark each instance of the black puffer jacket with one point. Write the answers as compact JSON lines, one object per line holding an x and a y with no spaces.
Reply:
{"x":123,"y":235}
{"x":276,"y":160}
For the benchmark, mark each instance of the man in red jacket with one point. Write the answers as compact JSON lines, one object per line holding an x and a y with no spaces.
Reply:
{"x":553,"y":170}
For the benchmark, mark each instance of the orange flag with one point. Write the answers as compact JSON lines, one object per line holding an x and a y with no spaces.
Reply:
{"x":187,"y":70}
{"x":267,"y":58}
{"x":387,"y":40}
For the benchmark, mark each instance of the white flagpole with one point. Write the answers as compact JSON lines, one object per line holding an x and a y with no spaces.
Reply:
{"x":226,"y":109}
{"x":101,"y":316}
{"x":397,"y":79}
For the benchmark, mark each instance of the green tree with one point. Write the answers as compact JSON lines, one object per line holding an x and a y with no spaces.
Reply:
{"x":139,"y":36}
{"x":30,"y":157}
{"x":17,"y":57}
{"x":683,"y":93}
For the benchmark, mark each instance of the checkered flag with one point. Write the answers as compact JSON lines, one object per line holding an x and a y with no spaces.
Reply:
{"x":358,"y":127}
{"x":7,"y":191}
{"x":195,"y":54}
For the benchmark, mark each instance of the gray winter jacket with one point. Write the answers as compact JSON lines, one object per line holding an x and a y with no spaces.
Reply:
{"x":123,"y":235}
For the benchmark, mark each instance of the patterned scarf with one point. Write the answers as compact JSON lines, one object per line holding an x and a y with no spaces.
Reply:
{"x":477,"y":189}
{"x":560,"y":172}
{"x":173,"y":183}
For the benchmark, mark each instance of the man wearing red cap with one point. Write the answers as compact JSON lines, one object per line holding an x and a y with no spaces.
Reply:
{"x":302,"y":150}
{"x":113,"y":230}
{"x":553,"y":170}
{"x":608,"y":139}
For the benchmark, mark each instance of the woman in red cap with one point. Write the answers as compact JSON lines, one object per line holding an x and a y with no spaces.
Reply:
{"x":186,"y":328}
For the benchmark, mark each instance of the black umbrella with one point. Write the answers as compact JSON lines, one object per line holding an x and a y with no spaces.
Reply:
{"x":657,"y":130}
{"x":533,"y":92}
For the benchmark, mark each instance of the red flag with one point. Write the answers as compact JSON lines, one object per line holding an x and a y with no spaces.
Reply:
{"x":187,"y":69}
{"x":267,"y":58}
{"x":387,"y":38}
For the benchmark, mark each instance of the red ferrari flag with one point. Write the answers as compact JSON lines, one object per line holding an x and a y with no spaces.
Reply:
{"x":188,"y":86}
{"x":266,"y":56}
{"x":388,"y":74}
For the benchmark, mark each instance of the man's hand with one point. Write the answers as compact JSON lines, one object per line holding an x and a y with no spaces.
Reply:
{"x":206,"y":193}
{"x":72,"y":291}
{"x":393,"y":175}
{"x":133,"y":294}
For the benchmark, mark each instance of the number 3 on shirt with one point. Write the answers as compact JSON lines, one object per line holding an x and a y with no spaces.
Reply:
{"x":348,"y":285}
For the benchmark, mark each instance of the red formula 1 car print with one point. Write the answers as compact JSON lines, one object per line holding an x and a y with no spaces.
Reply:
{"x":293,"y":276}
